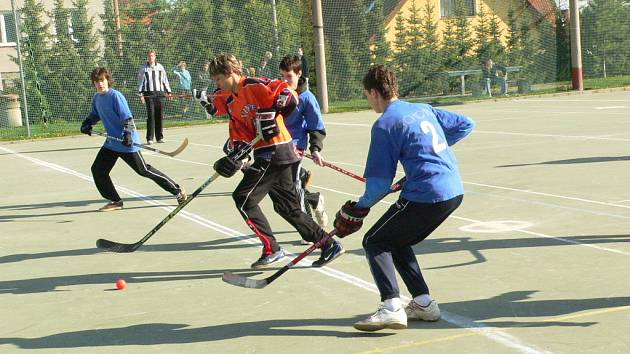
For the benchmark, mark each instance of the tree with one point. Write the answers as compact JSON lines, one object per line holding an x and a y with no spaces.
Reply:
{"x":67,"y":83}
{"x":605,"y":39}
{"x":400,"y":44}
{"x":36,"y":56}
{"x":83,"y":32}
{"x":379,"y":46}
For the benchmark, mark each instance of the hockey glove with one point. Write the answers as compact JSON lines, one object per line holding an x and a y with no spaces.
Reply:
{"x":349,"y":219}
{"x":227,"y":166}
{"x":127,"y":140}
{"x":266,"y":125}
{"x":86,"y":127}
{"x":202,"y":97}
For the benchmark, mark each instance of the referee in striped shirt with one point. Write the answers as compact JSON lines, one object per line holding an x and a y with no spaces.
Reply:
{"x":152,"y":85}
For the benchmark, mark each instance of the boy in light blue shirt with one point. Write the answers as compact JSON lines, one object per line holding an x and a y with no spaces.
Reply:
{"x":110,"y":107}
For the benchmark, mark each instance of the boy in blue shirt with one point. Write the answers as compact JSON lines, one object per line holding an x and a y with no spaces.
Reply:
{"x":419,"y":137}
{"x":110,"y":106}
{"x":306,"y":126}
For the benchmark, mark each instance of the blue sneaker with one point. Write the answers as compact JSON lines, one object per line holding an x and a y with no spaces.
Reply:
{"x":329,"y":253}
{"x":267,"y":259}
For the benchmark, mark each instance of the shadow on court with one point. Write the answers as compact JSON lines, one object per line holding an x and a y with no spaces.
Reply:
{"x":224,"y":243}
{"x":574,"y":161}
{"x":40,"y":285}
{"x":173,"y":333}
{"x":475,"y":247}
{"x":507,"y":305}
{"x":51,"y":150}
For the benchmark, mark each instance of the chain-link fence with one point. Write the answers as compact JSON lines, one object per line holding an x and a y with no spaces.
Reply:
{"x":440,"y":48}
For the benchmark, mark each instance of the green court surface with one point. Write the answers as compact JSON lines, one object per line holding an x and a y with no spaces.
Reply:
{"x":535,"y":260}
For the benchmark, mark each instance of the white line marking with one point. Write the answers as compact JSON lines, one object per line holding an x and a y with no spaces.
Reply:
{"x":460,"y":321}
{"x":611,"y":107}
{"x":587,"y":137}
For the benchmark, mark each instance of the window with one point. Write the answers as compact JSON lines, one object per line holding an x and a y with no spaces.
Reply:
{"x":447,"y":7}
{"x":7,"y":29}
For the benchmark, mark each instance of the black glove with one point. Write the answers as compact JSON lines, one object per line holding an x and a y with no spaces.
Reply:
{"x":266,"y":125}
{"x":127,"y":139}
{"x":227,"y":166}
{"x":86,"y":127}
{"x":349,"y":219}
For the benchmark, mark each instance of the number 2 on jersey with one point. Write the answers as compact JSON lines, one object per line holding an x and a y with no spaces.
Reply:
{"x":429,"y":128}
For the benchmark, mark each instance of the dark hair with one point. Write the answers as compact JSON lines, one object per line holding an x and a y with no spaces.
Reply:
{"x":381,"y":79}
{"x":291,"y":63}
{"x":99,"y":73}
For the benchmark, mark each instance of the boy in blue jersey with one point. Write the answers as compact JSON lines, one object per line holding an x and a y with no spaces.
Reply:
{"x":110,"y":106}
{"x":306,"y":126}
{"x":419,"y":137}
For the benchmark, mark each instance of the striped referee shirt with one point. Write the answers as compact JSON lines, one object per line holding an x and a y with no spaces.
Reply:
{"x":152,"y":79}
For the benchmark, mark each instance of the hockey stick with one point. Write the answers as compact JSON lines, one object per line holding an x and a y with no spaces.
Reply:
{"x":130,"y":247}
{"x":338,"y":169}
{"x":173,"y":153}
{"x":245,"y":282}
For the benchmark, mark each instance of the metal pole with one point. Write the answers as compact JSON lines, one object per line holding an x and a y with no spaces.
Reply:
{"x":576,"y":47}
{"x":118,"y":33}
{"x":275,"y":27}
{"x":320,"y":55}
{"x":18,"y":34}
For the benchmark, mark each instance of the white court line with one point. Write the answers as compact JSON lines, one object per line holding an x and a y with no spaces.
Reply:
{"x":611,"y":107}
{"x":586,"y":137}
{"x":549,"y":195}
{"x":457,"y":320}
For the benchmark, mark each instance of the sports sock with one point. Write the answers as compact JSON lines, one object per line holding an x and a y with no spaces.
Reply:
{"x":423,"y":300}
{"x":392,"y":304}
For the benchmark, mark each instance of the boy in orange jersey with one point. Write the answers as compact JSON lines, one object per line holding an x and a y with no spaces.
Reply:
{"x":256,"y":106}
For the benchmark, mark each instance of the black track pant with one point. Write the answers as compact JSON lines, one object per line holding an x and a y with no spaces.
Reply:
{"x":105,"y":161}
{"x":263,"y":178}
{"x":154,"y":116}
{"x":388,"y":243}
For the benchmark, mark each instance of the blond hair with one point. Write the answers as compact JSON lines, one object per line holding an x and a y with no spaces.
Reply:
{"x":225,"y":64}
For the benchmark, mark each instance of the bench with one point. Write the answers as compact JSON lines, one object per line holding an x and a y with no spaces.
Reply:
{"x":463,"y":73}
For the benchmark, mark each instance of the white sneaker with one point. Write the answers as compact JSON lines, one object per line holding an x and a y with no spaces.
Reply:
{"x":305,"y":243}
{"x":320,"y":213}
{"x":383,"y":318}
{"x":415,"y":311}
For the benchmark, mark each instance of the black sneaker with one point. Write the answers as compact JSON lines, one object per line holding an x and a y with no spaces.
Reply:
{"x":267,"y":259}
{"x":329,"y":253}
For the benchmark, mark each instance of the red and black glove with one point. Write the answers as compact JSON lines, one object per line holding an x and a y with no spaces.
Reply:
{"x":266,"y":125}
{"x":349,"y":219}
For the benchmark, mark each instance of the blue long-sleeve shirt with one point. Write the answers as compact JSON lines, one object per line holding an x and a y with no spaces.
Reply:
{"x":419,"y":136}
{"x":111,"y":107}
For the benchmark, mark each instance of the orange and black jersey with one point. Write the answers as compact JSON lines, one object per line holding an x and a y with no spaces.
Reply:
{"x":254,"y":94}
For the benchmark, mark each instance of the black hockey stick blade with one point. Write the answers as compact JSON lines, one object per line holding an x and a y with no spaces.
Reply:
{"x":115,"y":246}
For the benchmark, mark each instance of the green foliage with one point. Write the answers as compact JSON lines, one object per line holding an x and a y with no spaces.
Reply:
{"x":379,"y":49}
{"x":35,"y":56}
{"x":605,"y":40}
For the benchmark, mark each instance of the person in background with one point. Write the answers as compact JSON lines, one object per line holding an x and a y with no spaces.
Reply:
{"x":307,"y":129}
{"x":152,"y":86}
{"x":184,"y":84}
{"x":494,"y":74}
